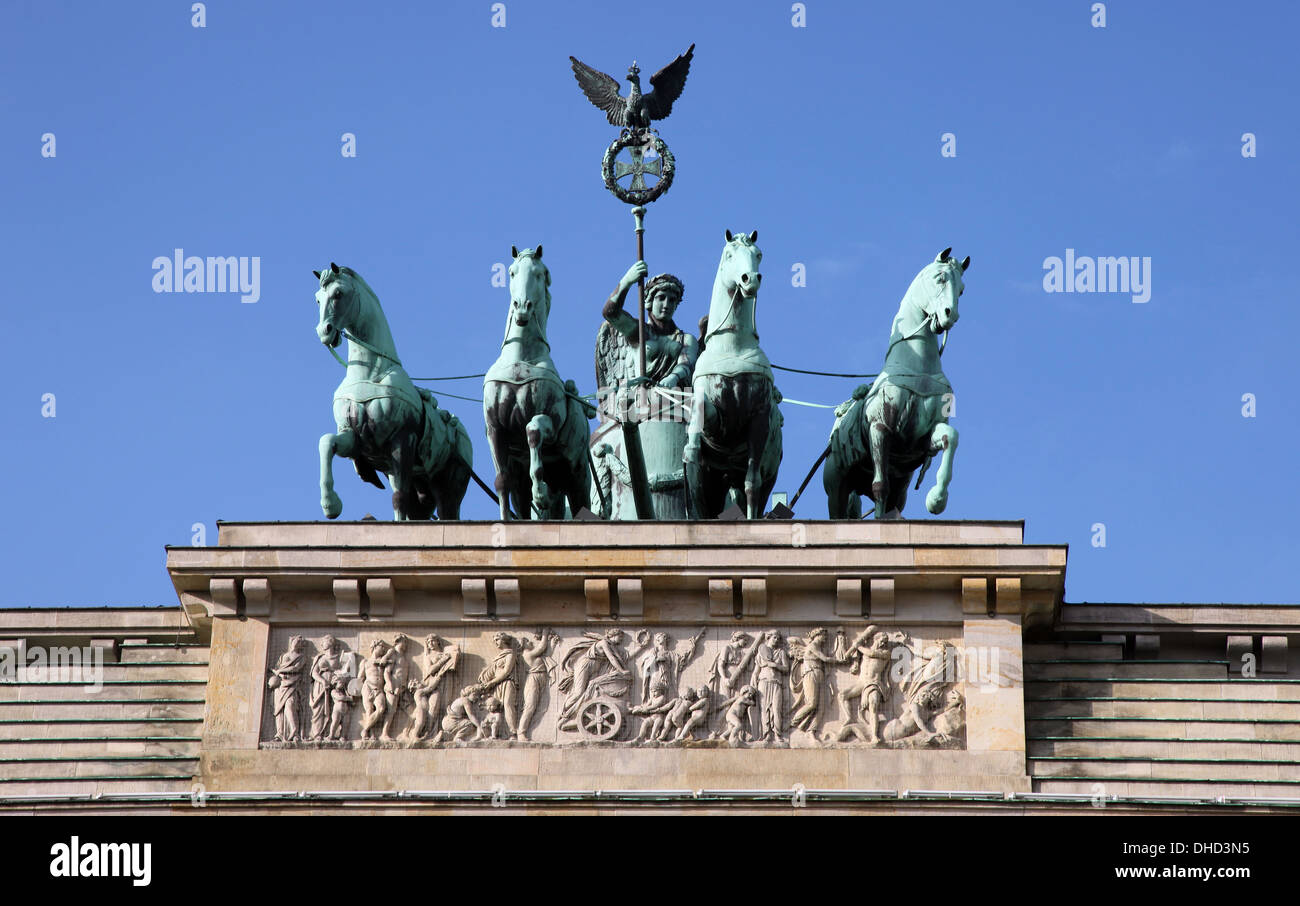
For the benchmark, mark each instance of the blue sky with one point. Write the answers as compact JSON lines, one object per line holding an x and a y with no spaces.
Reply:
{"x":1074,"y":409}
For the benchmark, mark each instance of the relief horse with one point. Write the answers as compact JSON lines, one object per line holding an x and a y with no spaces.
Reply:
{"x":733,"y":442}
{"x":537,"y":428}
{"x":885,"y":433}
{"x":385,"y":423}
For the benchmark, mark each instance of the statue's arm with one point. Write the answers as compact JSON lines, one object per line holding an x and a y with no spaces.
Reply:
{"x":682,"y":372}
{"x":613,"y":311}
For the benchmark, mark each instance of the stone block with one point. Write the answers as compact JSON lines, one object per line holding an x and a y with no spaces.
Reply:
{"x":721,"y":598}
{"x":379,"y":593}
{"x":631,"y":600}
{"x":848,"y":598}
{"x":1238,"y":647}
{"x":753,"y":597}
{"x":475,"y":595}
{"x":597,"y":594}
{"x":257,"y":597}
{"x":1006,"y":595}
{"x":347,"y":599}
{"x":505,"y":595}
{"x":225,"y":597}
{"x":880,"y":604}
{"x":1274,"y":658}
{"x":975,"y":596}
{"x":1146,"y":646}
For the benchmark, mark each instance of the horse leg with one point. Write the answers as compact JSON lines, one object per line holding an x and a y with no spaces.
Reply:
{"x":837,"y":495}
{"x":691,"y":457}
{"x":399,"y":478}
{"x":757,"y":441}
{"x":331,"y":445}
{"x":500,"y":462}
{"x":943,"y":437}
{"x":540,"y":433}
{"x":879,"y":442}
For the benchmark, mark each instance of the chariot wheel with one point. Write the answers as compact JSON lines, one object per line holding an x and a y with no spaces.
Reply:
{"x":600,"y":719}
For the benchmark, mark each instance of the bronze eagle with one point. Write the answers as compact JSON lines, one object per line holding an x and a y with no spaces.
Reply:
{"x":637,"y":110}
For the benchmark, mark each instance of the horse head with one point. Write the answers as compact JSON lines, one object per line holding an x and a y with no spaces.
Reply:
{"x":738,"y":269}
{"x":937,"y":288}
{"x":338,"y":303}
{"x":530,"y":294}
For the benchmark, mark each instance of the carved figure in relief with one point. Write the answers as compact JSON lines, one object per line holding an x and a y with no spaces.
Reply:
{"x":490,"y":726}
{"x":771,"y":671}
{"x":460,"y":723}
{"x":499,"y":679}
{"x":950,"y":723}
{"x":287,"y":681}
{"x":696,"y":714}
{"x":661,"y":664}
{"x":594,"y":667}
{"x":870,"y":688}
{"x":808,"y":676}
{"x":737,"y":720}
{"x":331,"y":662}
{"x":440,"y":661}
{"x":374,"y":701}
{"x":655,"y":710}
{"x":536,"y":655}
{"x":396,"y":673}
{"x":731,"y":665}
{"x":342,"y":701}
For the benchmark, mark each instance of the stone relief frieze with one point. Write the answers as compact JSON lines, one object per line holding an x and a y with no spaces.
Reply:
{"x":637,"y":686}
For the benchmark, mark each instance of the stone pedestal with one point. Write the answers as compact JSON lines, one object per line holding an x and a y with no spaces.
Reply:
{"x":647,"y":626}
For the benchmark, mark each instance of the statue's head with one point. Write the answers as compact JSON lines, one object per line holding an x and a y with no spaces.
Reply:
{"x":432,"y":643}
{"x":954,"y":699}
{"x":659,"y":687}
{"x":503,"y":640}
{"x":296,"y":643}
{"x":329,"y":644}
{"x":940,"y":285}
{"x":661,"y":640}
{"x":337,"y":302}
{"x":702,"y":693}
{"x":401,"y":642}
{"x":663,"y":294}
{"x":773,"y":638}
{"x":530,"y":294}
{"x":614,"y":635}
{"x":739,"y":266}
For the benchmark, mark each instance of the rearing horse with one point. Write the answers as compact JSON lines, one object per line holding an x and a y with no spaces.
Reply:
{"x":734,"y":439}
{"x":385,"y":423}
{"x":882,"y":435}
{"x":536,"y":427}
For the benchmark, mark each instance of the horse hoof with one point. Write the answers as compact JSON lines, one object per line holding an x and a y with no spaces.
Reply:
{"x":936,"y":501}
{"x":331,"y":505}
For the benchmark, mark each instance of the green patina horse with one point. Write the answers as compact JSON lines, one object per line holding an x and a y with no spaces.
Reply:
{"x":536,"y":426}
{"x":733,"y":442}
{"x":885,"y":433}
{"x":385,"y":423}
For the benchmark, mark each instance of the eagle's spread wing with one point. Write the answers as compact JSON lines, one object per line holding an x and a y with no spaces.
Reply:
{"x":602,"y":90}
{"x":667,"y":84}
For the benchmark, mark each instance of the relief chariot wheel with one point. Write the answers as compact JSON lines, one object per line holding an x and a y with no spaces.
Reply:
{"x":600,"y":719}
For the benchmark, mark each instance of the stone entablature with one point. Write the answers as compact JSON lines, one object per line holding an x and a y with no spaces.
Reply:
{"x":672,"y":647}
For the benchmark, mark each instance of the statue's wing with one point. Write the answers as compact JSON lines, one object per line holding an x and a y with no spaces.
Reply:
{"x":611,"y":357}
{"x":601,"y":90}
{"x":668,"y":84}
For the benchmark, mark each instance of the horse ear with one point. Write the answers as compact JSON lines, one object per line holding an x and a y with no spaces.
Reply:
{"x":943,"y":256}
{"x":537,"y":255}
{"x":753,"y":237}
{"x":514,"y":252}
{"x":965,"y":264}
{"x":728,"y":235}
{"x":334,"y":267}
{"x":316,"y":274}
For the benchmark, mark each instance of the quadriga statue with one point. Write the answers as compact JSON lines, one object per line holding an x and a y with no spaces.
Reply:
{"x":885,"y":433}
{"x":385,"y":423}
